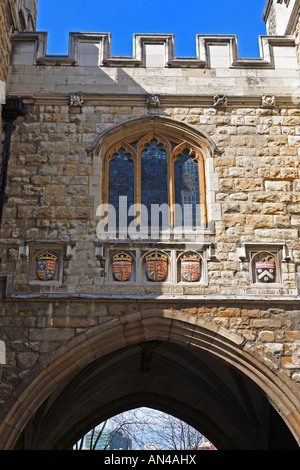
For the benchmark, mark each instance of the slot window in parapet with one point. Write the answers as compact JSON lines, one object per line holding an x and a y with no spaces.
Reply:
{"x":156,"y":182}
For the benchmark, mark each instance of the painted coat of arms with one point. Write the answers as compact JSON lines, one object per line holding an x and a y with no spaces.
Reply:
{"x":122,"y":267}
{"x":265,"y":270}
{"x":190,"y":267}
{"x":46,"y":266}
{"x":156,"y":266}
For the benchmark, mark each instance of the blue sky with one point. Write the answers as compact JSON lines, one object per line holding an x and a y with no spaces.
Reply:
{"x":122,"y":18}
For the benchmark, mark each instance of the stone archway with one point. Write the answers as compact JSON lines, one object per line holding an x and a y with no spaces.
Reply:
{"x":168,"y":360}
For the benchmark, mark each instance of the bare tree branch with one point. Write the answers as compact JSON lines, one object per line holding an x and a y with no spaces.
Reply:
{"x":144,"y":426}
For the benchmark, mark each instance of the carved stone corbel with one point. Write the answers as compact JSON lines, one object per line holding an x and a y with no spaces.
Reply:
{"x":220,"y":100}
{"x":75,"y":99}
{"x":268,"y":101}
{"x":152,"y":101}
{"x":70,"y":251}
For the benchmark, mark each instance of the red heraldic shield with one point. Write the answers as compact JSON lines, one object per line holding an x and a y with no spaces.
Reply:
{"x":190,"y":268}
{"x":46,"y":266}
{"x":265,"y":271}
{"x":122,"y":267}
{"x":156,"y":266}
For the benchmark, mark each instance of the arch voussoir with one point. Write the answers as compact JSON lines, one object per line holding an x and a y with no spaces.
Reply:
{"x":136,"y":328}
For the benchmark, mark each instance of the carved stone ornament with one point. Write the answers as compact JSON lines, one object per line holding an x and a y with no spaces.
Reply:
{"x":122,"y":267}
{"x":268,"y":101}
{"x":76,"y":99}
{"x":220,"y":100}
{"x":265,"y":268}
{"x":156,"y":266}
{"x":190,"y":267}
{"x":152,"y":101}
{"x":46,"y":265}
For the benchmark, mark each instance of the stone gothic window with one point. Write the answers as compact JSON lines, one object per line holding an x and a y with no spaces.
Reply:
{"x":153,"y":173}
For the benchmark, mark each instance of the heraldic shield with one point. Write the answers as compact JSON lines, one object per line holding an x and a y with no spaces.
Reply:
{"x":122,"y":267}
{"x":190,"y":268}
{"x":266,"y":270}
{"x":156,"y":266}
{"x":46,"y":266}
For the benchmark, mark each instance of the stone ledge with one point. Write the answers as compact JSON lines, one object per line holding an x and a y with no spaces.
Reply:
{"x":203,"y":101}
{"x":131,"y":298}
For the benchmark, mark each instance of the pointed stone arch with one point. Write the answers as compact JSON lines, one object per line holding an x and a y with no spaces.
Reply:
{"x":48,"y":380}
{"x":159,"y":124}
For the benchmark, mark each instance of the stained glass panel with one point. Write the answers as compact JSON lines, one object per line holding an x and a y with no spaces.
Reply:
{"x":121,"y":183}
{"x":187,"y":191}
{"x":154,"y":175}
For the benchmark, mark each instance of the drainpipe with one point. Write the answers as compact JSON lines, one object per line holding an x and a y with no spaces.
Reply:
{"x":10,"y":111}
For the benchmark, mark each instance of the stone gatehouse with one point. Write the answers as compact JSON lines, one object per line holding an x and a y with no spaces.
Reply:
{"x":106,"y":305}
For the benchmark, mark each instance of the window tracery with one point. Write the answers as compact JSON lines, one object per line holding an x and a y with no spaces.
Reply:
{"x":153,"y":171}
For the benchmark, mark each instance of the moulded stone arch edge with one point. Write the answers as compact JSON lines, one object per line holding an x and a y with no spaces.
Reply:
{"x":115,"y":334}
{"x":162,"y":124}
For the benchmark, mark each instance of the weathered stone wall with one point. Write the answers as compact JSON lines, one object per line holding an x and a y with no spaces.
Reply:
{"x":50,"y":198}
{"x":53,"y":187}
{"x":55,"y":179}
{"x":5,"y":45}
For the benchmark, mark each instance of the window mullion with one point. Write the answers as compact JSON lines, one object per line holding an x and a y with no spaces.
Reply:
{"x":202,"y":189}
{"x":171,"y":162}
{"x":138,"y":184}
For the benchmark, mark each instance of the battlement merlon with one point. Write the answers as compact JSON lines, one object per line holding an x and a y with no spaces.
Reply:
{"x":153,"y":51}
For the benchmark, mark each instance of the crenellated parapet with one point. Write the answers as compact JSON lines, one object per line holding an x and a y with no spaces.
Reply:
{"x":154,"y":69}
{"x":152,"y":51}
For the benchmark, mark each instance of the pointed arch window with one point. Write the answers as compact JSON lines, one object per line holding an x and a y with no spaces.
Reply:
{"x":154,"y":170}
